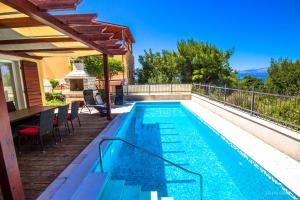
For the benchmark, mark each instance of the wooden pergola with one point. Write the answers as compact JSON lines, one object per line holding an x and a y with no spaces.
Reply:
{"x":28,"y":30}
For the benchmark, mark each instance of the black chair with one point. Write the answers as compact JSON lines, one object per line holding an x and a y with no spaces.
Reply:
{"x":45,"y":127}
{"x":74,"y":113}
{"x":90,"y":102}
{"x":11,"y":106}
{"x":61,"y":120}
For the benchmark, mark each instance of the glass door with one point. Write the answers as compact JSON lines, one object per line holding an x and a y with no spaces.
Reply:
{"x":8,"y":81}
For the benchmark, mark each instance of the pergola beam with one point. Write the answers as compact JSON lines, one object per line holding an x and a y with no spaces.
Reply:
{"x":117,"y":30}
{"x":97,"y":37}
{"x":68,"y":19}
{"x":103,"y":44}
{"x":90,"y":29}
{"x":23,"y":55}
{"x":82,"y":26}
{"x":53,"y":50}
{"x":112,"y":41}
{"x":55,"y":5}
{"x":117,"y":52}
{"x":34,"y":12}
{"x":36,"y":40}
{"x":77,"y":19}
{"x":19,"y":22}
{"x":115,"y":46}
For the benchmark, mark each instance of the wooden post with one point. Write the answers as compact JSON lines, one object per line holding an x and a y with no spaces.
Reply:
{"x":10,"y":180}
{"x":107,"y":87}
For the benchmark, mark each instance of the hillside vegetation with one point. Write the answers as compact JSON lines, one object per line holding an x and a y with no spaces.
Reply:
{"x":199,"y":62}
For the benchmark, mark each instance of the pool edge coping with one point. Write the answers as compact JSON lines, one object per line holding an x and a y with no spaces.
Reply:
{"x":286,"y":183}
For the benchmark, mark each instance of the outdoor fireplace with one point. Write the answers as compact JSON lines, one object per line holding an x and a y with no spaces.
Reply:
{"x":76,"y":85}
{"x":76,"y":81}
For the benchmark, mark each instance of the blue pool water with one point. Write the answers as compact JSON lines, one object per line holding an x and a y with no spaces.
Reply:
{"x":172,"y":131}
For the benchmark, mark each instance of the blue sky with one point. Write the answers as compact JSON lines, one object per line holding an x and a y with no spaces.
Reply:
{"x":258,"y":30}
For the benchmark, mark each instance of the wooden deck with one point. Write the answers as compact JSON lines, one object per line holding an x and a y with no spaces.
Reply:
{"x":39,"y":169}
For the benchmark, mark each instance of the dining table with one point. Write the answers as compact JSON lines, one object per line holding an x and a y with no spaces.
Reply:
{"x":23,"y":114}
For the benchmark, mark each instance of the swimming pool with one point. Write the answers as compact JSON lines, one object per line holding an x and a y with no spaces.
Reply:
{"x":172,"y":131}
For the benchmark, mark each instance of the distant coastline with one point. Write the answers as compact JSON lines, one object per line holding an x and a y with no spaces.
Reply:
{"x":261,"y":73}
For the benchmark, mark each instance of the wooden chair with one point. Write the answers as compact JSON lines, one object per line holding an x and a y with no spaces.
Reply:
{"x":45,"y":127}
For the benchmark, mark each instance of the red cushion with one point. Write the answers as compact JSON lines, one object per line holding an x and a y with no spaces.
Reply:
{"x":29,"y":131}
{"x":55,"y":121}
{"x":69,"y":117}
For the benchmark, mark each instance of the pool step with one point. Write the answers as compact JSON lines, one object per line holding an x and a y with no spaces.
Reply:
{"x":131,"y":192}
{"x":117,"y":190}
{"x":145,"y":195}
{"x":90,"y":186}
{"x":154,"y":196}
{"x":113,"y":190}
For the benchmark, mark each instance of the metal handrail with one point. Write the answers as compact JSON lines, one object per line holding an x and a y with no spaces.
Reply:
{"x":281,"y":109}
{"x":151,"y":154}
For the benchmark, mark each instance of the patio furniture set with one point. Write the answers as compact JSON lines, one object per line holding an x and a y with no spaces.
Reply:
{"x":37,"y":121}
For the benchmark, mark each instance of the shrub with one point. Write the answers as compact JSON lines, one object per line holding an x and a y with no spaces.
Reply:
{"x":55,"y":96}
{"x":55,"y":102}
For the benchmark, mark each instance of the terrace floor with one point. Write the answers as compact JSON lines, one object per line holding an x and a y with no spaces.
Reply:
{"x":39,"y":169}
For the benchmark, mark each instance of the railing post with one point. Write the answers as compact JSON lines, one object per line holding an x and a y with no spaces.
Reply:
{"x":149,"y":89}
{"x":127,"y":89}
{"x":252,"y":101}
{"x":225,"y":93}
{"x":208,"y":90}
{"x":171,"y":88}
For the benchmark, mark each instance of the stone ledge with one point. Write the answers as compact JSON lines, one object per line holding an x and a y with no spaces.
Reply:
{"x":281,"y":138}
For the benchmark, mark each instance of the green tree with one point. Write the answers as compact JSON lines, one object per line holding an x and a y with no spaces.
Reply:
{"x":115,"y":67}
{"x":94,"y":66}
{"x":205,"y":63}
{"x":54,"y":83}
{"x":193,"y":61}
{"x":284,"y":77}
{"x":158,"y":67}
{"x":249,"y":82}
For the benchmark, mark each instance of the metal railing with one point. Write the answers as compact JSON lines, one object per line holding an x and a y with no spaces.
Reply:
{"x":103,"y":139}
{"x":150,"y":89}
{"x":281,"y":109}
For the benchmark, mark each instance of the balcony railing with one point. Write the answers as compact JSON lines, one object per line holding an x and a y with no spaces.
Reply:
{"x":281,"y":109}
